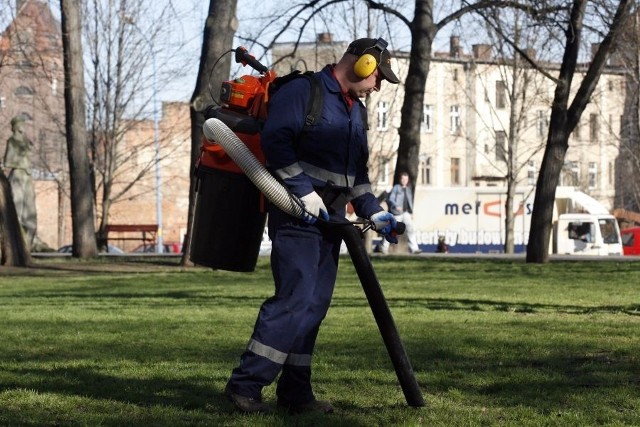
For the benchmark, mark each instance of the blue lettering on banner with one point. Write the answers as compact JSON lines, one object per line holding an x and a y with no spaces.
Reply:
{"x":468,"y":208}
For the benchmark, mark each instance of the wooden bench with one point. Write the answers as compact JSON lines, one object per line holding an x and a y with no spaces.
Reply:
{"x":148,"y":235}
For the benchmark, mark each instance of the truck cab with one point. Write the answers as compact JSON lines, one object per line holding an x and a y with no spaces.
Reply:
{"x":587,"y":234}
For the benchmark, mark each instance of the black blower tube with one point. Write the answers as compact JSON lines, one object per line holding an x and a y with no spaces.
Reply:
{"x":353,"y":239}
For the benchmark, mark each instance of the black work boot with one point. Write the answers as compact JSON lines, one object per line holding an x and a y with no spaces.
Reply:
{"x":247,"y":404}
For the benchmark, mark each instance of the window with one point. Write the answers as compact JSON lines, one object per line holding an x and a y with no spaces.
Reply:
{"x":622,"y":127}
{"x":425,"y":170}
{"x":593,"y":174}
{"x":383,"y":111}
{"x":610,"y":124}
{"x":3,"y":102}
{"x":570,"y":174}
{"x":576,"y":130}
{"x":455,"y":171}
{"x":23,"y":91}
{"x":133,"y":156}
{"x":25,"y":64}
{"x":583,"y":231}
{"x":610,"y":173}
{"x":501,"y":94}
{"x":593,"y":127}
{"x":383,"y":171}
{"x":608,"y":230}
{"x":531,"y":172}
{"x":541,"y":123}
{"x":501,"y":141}
{"x":455,"y":119}
{"x":426,"y":125}
{"x":455,"y":74}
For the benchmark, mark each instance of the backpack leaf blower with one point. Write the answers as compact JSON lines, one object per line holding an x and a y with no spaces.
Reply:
{"x":230,"y":212}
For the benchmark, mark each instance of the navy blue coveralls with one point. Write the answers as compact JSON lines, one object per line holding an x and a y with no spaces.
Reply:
{"x":304,"y":258}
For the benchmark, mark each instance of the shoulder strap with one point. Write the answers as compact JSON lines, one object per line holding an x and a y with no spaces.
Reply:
{"x":314,"y":106}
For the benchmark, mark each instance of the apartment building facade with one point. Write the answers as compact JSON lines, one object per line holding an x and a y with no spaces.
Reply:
{"x":469,"y":131}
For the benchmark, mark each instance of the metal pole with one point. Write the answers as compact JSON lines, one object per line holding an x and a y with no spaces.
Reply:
{"x":156,"y":133}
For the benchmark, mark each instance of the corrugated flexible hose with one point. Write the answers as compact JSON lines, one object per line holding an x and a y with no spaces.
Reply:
{"x":217,"y":131}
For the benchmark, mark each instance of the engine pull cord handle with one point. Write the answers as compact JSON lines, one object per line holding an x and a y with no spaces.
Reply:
{"x":245,"y":58}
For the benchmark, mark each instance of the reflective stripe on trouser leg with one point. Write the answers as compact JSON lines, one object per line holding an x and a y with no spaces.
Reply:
{"x":294,"y":384}
{"x":278,"y":356}
{"x":295,"y":260}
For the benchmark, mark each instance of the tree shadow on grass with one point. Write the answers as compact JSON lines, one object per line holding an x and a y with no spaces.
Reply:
{"x":203,"y":395}
{"x":479,"y":305}
{"x":87,"y":382}
{"x":589,"y":383}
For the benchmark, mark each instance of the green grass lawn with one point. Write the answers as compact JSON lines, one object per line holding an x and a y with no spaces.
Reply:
{"x":492,"y":342}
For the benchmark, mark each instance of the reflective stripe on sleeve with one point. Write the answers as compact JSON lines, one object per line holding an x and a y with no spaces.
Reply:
{"x":325,"y":176}
{"x":361,"y":189}
{"x":289,"y":171}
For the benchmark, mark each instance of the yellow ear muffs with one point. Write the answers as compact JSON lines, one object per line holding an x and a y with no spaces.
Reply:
{"x":365,"y":65}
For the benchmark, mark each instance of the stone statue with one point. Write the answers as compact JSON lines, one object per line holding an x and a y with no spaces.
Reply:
{"x":17,"y":161}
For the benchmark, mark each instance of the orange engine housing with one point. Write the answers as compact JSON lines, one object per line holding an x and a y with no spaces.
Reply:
{"x":240,"y":93}
{"x":244,"y":111}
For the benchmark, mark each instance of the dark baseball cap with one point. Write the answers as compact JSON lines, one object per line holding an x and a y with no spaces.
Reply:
{"x":377,"y":48}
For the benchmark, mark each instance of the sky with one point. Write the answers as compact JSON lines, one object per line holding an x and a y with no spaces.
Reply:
{"x":187,"y":33}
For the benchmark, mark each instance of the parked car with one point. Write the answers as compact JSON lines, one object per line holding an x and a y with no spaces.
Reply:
{"x":630,"y":240}
{"x":168,"y":248}
{"x":67,"y":249}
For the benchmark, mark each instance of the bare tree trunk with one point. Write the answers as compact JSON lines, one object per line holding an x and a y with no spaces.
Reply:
{"x":82,"y":205}
{"x":423,"y":32}
{"x":512,"y":155}
{"x":13,"y":248}
{"x":219,"y":29}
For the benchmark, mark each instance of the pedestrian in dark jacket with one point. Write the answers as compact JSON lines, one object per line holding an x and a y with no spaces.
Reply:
{"x":400,"y":204}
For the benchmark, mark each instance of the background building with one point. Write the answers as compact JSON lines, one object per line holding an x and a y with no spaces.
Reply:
{"x":32,"y":86}
{"x":467,"y":119}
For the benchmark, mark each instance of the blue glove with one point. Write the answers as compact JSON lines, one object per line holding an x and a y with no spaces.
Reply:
{"x":314,"y":208}
{"x":384,"y":223}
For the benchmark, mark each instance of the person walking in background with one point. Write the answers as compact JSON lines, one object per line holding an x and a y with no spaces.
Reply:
{"x":400,"y":204}
{"x":325,"y":166}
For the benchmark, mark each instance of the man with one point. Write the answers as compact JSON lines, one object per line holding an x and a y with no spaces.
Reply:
{"x":400,"y":204}
{"x":325,"y":166}
{"x":17,"y":160}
